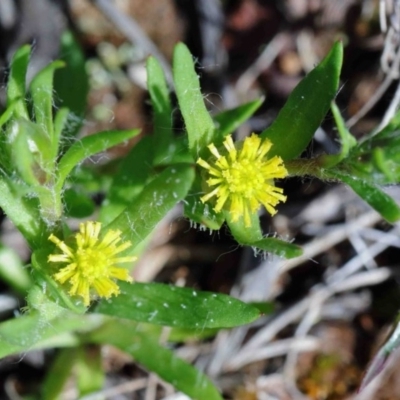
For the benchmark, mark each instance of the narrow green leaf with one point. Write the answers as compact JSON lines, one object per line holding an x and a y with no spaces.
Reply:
{"x":71,"y":84}
{"x":129,"y":181}
{"x":385,"y":164}
{"x":177,"y":153}
{"x":22,"y":157}
{"x":252,"y":236}
{"x":200,"y":212}
{"x":179,"y":307}
{"x":228,"y":121}
{"x":89,"y":146}
{"x":58,"y":374}
{"x":48,"y":295}
{"x":23,"y":211}
{"x":77,"y":203}
{"x":147,"y":352}
{"x":60,"y":122}
{"x":13,"y":272}
{"x":41,"y":90}
{"x":306,"y":107}
{"x":377,"y":157}
{"x":372,"y":194}
{"x":266,"y":307}
{"x":199,"y":124}
{"x":30,"y":151}
{"x":347,"y":141}
{"x":162,"y":110}
{"x":139,"y":219}
{"x":16,"y":81}
{"x":8,"y":113}
{"x":89,"y":370}
{"x":179,"y":335}
{"x":30,"y":332}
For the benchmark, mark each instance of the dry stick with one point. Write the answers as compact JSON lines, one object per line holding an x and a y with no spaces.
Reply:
{"x":266,"y":334}
{"x":151,"y":390}
{"x":338,"y":282}
{"x":392,"y":74}
{"x":264,"y":60}
{"x":223,"y":358}
{"x":382,"y":15}
{"x":226,"y":344}
{"x":318,"y":246}
{"x":281,"y":348}
{"x":386,"y":377}
{"x":361,"y":279}
{"x":250,"y":351}
{"x":383,"y":237}
{"x":371,"y":102}
{"x":134,"y":33}
{"x":305,"y":43}
{"x":361,"y":248}
{"x":357,"y":262}
{"x":391,"y":111}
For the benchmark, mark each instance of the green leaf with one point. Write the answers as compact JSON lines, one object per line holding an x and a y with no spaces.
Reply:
{"x":58,"y":374}
{"x":8,"y":113}
{"x":60,"y":121}
{"x":200,"y":212}
{"x":347,"y":140}
{"x":16,"y":81}
{"x":377,"y":157}
{"x":48,"y":295}
{"x":30,"y":152}
{"x":23,"y":211}
{"x":139,"y":219}
{"x":41,"y":90}
{"x":386,"y":165}
{"x":306,"y":107}
{"x":78,"y":204}
{"x":89,"y":146}
{"x":252,"y":236}
{"x":71,"y":83}
{"x":162,"y":111}
{"x":12,"y":271}
{"x":179,"y":307}
{"x":372,"y":194}
{"x":147,"y":352}
{"x":22,"y":158}
{"x":266,"y":307}
{"x":228,"y":121}
{"x":89,"y":370}
{"x":30,"y":332}
{"x":199,"y":124}
{"x":179,"y":335}
{"x":133,"y":172}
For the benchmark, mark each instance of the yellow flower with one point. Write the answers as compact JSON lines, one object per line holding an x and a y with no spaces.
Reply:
{"x":92,"y":262}
{"x":241,"y":177}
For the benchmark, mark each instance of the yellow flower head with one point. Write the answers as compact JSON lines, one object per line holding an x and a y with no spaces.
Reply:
{"x":92,"y":262}
{"x":241,"y":177}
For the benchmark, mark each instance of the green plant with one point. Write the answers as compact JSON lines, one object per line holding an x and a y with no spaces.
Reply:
{"x":74,"y":285}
